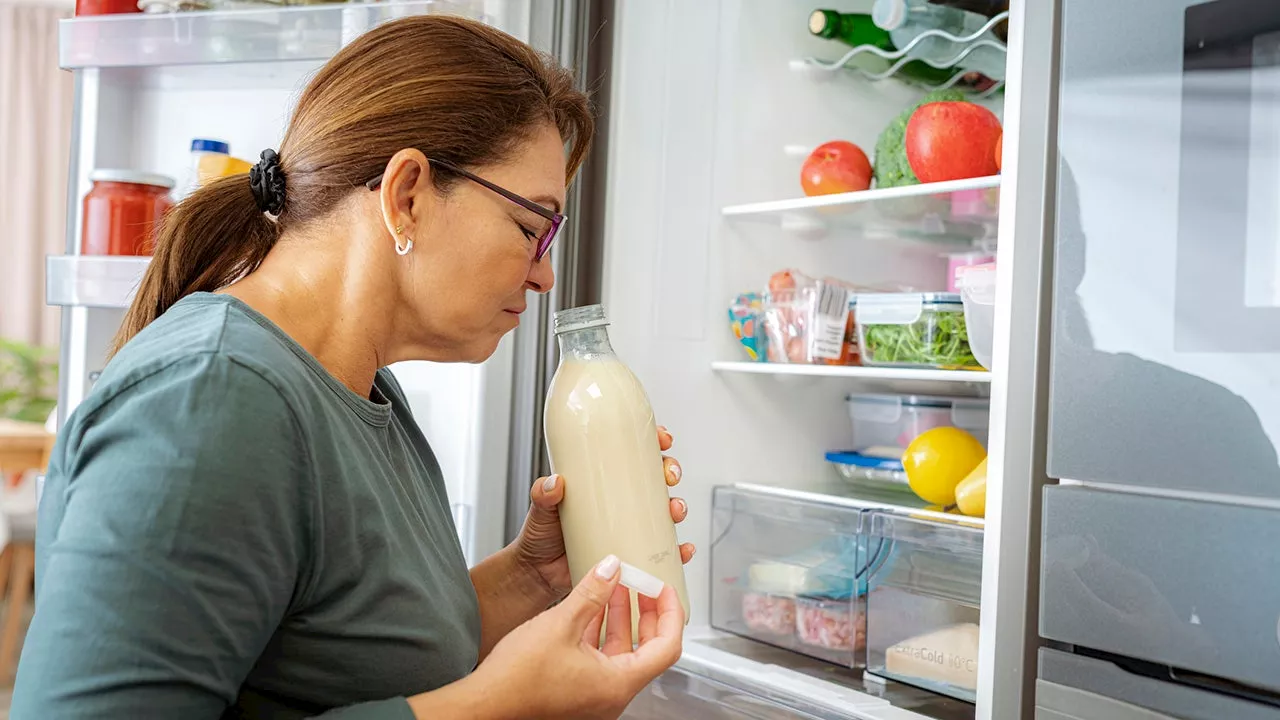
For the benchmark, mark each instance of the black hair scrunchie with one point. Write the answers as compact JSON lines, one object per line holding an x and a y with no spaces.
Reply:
{"x":266,"y":180}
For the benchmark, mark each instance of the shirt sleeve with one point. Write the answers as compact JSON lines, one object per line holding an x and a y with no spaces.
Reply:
{"x":174,"y":535}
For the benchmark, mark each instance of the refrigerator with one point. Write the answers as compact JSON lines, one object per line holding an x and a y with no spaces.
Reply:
{"x":690,"y":197}
{"x":1158,"y":593}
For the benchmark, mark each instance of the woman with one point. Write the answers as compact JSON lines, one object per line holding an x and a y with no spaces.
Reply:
{"x":242,"y":520}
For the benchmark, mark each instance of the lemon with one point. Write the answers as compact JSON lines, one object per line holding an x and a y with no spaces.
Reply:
{"x":971,"y":493}
{"x":938,"y":459}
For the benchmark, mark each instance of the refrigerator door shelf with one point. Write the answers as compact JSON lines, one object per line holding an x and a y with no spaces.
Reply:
{"x":101,"y":281}
{"x":307,"y":32}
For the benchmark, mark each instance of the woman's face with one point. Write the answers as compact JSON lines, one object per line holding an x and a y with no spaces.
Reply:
{"x":464,"y":284}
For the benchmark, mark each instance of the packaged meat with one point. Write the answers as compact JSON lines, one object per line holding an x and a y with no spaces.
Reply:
{"x":834,"y":624}
{"x":768,"y":613}
{"x":810,"y":321}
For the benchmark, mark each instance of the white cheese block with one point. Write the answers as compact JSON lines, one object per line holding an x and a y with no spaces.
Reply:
{"x":949,"y":655}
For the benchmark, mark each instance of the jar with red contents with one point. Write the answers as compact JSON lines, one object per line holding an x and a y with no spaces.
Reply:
{"x":123,"y":211}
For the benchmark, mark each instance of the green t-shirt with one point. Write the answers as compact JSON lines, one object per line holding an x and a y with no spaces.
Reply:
{"x":227,"y":531}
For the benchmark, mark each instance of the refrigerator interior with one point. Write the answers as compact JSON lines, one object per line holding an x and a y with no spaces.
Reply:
{"x":704,"y":136}
{"x":712,"y":109}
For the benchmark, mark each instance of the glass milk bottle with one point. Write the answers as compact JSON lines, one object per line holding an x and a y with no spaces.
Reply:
{"x":603,"y":441}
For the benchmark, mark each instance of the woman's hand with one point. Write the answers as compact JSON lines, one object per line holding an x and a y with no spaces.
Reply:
{"x":549,"y":667}
{"x":540,"y":546}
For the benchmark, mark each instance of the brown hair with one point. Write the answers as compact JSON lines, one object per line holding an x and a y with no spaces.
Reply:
{"x":456,"y":89}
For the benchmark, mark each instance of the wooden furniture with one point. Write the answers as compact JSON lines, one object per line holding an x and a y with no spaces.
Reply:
{"x":23,"y":446}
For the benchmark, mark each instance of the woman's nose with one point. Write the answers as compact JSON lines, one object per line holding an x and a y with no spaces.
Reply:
{"x":541,"y":277}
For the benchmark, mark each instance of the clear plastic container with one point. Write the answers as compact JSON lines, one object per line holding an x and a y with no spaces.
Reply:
{"x":772,"y":555}
{"x":884,"y":425}
{"x":922,"y":619}
{"x":871,"y":472}
{"x":914,"y":330}
{"x":838,"y":625}
{"x":977,"y":285}
{"x":769,"y":613}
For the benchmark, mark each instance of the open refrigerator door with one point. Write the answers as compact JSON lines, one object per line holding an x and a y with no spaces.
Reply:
{"x":767,"y":321}
{"x":154,"y":87}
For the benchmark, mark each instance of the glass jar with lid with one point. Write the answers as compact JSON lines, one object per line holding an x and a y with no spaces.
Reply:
{"x":122,"y":212}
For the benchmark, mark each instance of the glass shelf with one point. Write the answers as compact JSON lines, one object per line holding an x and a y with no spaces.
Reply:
{"x":283,"y":34}
{"x":98,"y":281}
{"x":927,"y":382}
{"x":957,"y":210}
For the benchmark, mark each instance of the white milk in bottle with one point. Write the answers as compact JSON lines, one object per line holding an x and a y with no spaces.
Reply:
{"x":603,"y":441}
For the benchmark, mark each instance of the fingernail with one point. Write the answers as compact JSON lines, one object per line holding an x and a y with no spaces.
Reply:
{"x":549,"y":484}
{"x":675,"y":470}
{"x":608,"y":567}
{"x":683,"y":505}
{"x":693,"y":550}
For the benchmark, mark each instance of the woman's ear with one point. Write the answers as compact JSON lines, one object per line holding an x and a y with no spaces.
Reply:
{"x":407,"y":175}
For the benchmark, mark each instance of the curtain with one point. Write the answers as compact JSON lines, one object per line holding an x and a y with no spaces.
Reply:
{"x":35,"y":136}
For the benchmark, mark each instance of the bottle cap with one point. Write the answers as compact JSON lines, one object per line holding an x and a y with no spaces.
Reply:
{"x":824,"y":23}
{"x":640,"y":581}
{"x":213,"y":146}
{"x":889,"y":14}
{"x":579,"y":318}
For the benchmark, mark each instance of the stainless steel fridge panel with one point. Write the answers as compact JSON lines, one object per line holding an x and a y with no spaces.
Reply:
{"x":1071,"y":687}
{"x":1184,"y":584}
{"x":1166,"y":338}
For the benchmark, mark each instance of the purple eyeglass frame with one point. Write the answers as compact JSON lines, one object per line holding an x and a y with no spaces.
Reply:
{"x":544,"y":242}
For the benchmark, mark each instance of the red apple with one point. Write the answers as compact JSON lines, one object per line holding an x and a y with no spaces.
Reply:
{"x":835,"y":167}
{"x":952,"y":141}
{"x":1000,"y":152}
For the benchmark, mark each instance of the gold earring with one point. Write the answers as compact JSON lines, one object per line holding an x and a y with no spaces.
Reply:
{"x":399,"y":229}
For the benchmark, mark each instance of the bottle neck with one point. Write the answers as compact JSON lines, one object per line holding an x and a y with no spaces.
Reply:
{"x":585,"y":344}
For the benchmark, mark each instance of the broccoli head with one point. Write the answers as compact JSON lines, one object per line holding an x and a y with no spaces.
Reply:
{"x":891,"y":166}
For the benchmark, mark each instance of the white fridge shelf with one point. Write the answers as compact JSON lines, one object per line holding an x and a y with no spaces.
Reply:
{"x":964,"y":210}
{"x":93,"y":280}
{"x":305,"y":32}
{"x":932,"y":382}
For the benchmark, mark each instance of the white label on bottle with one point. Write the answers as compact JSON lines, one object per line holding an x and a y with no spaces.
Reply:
{"x":832,"y":317}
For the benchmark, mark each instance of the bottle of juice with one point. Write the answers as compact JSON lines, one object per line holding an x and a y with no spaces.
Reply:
{"x":603,"y":441}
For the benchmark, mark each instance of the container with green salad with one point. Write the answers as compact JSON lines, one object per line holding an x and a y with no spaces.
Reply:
{"x":917,"y":330}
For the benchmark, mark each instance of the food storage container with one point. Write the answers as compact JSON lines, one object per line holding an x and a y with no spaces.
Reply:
{"x":977,"y":285}
{"x":884,"y":425}
{"x":765,"y":612}
{"x":922,"y":618}
{"x":914,"y":330}
{"x":957,"y":261}
{"x":870,"y":472}
{"x":122,"y":212}
{"x":832,"y":624}
{"x":775,"y":556}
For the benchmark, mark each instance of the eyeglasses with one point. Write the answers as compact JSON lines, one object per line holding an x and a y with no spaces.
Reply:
{"x":543,"y":241}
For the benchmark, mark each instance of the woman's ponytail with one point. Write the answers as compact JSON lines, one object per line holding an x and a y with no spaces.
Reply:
{"x":212,"y":238}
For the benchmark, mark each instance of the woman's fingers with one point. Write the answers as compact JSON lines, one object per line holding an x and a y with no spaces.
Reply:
{"x":660,"y":649}
{"x":679,"y":509}
{"x":671,"y":468}
{"x":591,"y":636}
{"x":687,"y":551}
{"x":664,"y":438}
{"x":617,"y":631}
{"x":547,"y":492}
{"x":647,"y":625}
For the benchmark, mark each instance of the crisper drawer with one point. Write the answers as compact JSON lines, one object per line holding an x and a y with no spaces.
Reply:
{"x":681,"y":695}
{"x":1188,"y":585}
{"x":922,"y":617}
{"x":792,"y":573}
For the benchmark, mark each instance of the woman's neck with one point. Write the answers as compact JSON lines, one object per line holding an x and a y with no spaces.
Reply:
{"x":307,"y":288}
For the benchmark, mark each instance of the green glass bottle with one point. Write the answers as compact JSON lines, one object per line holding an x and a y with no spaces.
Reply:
{"x":856,"y":29}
